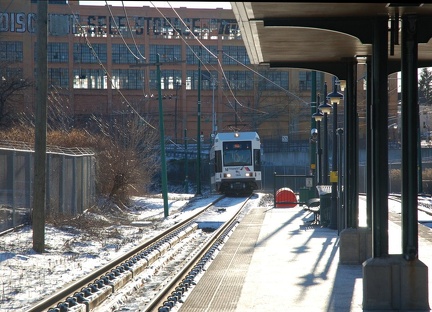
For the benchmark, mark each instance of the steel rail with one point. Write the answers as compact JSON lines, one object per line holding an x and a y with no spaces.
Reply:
{"x":71,"y":288}
{"x":170,"y":288}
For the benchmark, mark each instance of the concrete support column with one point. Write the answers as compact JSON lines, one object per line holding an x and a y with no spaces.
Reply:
{"x":368,"y":142}
{"x":410,"y":127}
{"x":351,"y":147}
{"x":380,"y":175}
{"x":355,"y":243}
{"x":395,"y":282}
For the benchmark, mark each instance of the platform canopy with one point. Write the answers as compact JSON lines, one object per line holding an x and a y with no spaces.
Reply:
{"x":319,"y":36}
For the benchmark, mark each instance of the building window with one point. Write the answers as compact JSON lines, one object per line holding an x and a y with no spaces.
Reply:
{"x":229,"y":30}
{"x":275,"y":80}
{"x":305,"y":80}
{"x":58,"y":77}
{"x":238,"y":80}
{"x":90,"y":55}
{"x":236,"y":55}
{"x":204,"y":28}
{"x":169,"y":79}
{"x":8,"y":72}
{"x":206,"y":57}
{"x":132,"y":79}
{"x":89,"y":79}
{"x":191,"y":80}
{"x":167,"y":53}
{"x":11,"y":51}
{"x":58,"y":52}
{"x":158,"y":27}
{"x":122,"y":55}
{"x":208,"y":79}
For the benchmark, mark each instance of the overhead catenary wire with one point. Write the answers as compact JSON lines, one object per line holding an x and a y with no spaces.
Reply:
{"x":194,"y":53}
{"x":107,"y":73}
{"x":179,"y":146}
{"x":133,"y":38}
{"x":200,"y":59}
{"x":215,"y":56}
{"x":220,"y":68}
{"x":255,"y":72}
{"x":119,"y":31}
{"x":181,"y":37}
{"x":262,"y":76}
{"x":130,"y":29}
{"x":223,"y":72}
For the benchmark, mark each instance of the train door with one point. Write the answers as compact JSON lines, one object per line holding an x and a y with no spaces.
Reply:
{"x":257,"y":160}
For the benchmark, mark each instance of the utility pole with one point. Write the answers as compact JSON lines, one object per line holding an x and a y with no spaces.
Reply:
{"x":162,"y":139}
{"x":198,"y":192}
{"x":39,"y":188}
{"x":161,"y":129}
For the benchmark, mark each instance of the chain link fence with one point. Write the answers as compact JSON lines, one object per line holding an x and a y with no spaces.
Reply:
{"x":70,"y":182}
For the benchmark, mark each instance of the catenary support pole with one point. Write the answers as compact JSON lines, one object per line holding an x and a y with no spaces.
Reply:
{"x":198,"y":162}
{"x":186,"y":162}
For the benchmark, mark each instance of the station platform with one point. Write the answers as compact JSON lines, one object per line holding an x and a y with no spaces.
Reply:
{"x":275,"y":260}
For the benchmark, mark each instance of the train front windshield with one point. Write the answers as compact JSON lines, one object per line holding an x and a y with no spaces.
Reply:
{"x":237,"y":153}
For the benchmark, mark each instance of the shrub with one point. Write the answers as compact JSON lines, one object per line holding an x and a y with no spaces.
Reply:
{"x":396,"y":180}
{"x":126,"y":157}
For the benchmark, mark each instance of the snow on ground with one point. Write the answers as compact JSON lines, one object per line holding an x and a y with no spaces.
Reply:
{"x":76,"y":247}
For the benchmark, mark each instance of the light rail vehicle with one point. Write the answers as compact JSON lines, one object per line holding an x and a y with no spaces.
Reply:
{"x":235,"y":160}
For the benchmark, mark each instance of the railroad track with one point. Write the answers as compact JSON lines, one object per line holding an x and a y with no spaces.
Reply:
{"x":176,"y":290}
{"x":89,"y":292}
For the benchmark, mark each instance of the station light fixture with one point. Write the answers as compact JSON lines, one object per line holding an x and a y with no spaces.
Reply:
{"x":325,"y":108}
{"x":335,"y":97}
{"x":318,"y":115}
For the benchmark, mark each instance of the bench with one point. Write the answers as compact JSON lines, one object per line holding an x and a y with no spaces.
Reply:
{"x":313,"y":205}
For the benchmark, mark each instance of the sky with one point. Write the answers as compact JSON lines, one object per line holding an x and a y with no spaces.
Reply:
{"x":166,"y":4}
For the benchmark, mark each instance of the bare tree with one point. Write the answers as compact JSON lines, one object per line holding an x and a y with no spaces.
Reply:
{"x":273,"y":102}
{"x":127,"y":156}
{"x":12,"y":85}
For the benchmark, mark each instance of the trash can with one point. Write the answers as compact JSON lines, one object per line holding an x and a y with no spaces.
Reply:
{"x":285,"y":198}
{"x":304,"y":194}
{"x":324,"y":192}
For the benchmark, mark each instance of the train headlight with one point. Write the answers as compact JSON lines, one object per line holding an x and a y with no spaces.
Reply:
{"x":227,"y":175}
{"x":249,"y":174}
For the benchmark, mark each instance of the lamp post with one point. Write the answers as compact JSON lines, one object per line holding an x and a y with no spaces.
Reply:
{"x":334,"y":98}
{"x":318,"y":116}
{"x":325,"y":109}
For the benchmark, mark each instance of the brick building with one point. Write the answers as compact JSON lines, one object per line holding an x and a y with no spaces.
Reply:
{"x":101,"y":61}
